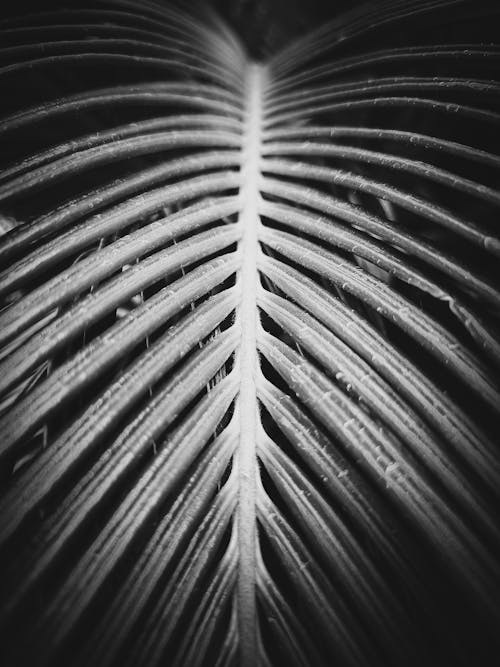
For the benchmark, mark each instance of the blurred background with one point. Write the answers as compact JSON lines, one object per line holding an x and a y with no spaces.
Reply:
{"x":267,"y":25}
{"x":264,"y":25}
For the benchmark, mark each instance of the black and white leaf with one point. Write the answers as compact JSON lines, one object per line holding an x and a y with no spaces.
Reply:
{"x":249,"y":330}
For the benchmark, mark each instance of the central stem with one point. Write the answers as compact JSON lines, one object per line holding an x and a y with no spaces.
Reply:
{"x":247,"y":362}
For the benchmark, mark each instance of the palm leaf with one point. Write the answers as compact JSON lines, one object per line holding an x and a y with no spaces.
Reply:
{"x":249,"y":339}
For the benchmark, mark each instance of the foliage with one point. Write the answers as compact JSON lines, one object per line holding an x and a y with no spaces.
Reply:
{"x":249,"y":339}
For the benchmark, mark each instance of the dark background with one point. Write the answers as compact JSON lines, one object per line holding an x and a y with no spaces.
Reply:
{"x":267,"y":25}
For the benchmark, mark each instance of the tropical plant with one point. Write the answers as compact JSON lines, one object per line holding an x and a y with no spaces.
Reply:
{"x":249,"y":362}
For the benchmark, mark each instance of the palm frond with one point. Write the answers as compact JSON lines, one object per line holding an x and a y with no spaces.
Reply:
{"x":249,"y":340}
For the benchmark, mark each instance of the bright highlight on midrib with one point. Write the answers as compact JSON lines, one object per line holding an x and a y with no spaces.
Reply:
{"x":247,"y":364}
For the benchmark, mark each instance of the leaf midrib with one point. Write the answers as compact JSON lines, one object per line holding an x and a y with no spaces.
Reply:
{"x":247,"y":365}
